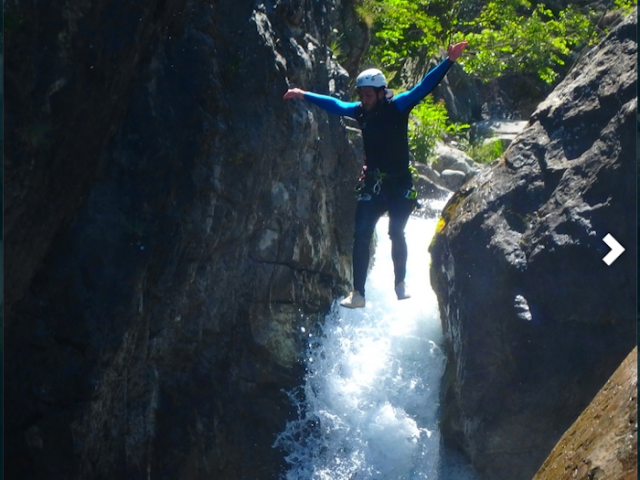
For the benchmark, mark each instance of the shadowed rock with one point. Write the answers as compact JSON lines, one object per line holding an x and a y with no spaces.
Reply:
{"x":171,"y":224}
{"x":534,"y":321}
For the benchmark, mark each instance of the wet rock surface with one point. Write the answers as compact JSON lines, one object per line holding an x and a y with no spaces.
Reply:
{"x":534,"y":321}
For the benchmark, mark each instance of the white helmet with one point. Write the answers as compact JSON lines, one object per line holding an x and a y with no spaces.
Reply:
{"x":371,"y":78}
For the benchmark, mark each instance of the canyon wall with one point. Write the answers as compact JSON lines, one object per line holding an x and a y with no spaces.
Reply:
{"x":171,"y":227}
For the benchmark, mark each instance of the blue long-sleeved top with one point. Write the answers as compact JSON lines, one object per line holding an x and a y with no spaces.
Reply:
{"x":384,"y":129}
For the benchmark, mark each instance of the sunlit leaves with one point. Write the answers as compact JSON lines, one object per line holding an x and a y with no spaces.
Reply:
{"x":429,"y":122}
{"x":513,"y":36}
{"x":401,"y":28}
{"x":624,"y":5}
{"x":505,"y":36}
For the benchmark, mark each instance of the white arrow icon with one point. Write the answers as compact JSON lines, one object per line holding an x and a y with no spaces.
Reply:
{"x":616,"y":249}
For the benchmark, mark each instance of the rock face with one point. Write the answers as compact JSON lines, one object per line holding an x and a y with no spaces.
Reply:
{"x":603,"y":442}
{"x":534,"y":321}
{"x":454,"y":167}
{"x":171,"y":224}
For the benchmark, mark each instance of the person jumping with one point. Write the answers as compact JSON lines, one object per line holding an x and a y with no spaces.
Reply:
{"x":386,"y":184}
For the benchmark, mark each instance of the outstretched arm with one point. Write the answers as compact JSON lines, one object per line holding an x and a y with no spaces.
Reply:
{"x":330,"y":104}
{"x":411,"y":98}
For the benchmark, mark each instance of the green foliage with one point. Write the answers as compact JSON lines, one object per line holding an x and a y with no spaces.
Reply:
{"x":625,"y":6}
{"x":483,"y":151}
{"x":336,"y":48}
{"x":429,"y":122}
{"x":505,"y":36}
{"x":401,"y":29}
{"x":512,"y":36}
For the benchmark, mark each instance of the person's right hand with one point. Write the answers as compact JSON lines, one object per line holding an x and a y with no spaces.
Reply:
{"x":455,"y":51}
{"x":294,"y":93}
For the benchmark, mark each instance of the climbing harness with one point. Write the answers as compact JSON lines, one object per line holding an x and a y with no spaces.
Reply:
{"x":370,"y":183}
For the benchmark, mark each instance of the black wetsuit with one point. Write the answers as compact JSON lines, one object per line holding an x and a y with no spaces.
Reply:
{"x":387,"y":185}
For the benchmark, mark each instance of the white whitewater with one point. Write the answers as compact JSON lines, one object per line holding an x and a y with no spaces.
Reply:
{"x":369,"y":406}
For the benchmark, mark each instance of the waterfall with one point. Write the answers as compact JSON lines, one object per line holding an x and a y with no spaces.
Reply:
{"x":369,"y":406}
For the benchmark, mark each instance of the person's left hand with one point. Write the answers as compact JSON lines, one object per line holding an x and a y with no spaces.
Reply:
{"x":294,"y":93}
{"x":455,"y":51}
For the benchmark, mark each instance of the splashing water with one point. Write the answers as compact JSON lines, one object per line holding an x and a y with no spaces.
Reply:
{"x":369,"y":406}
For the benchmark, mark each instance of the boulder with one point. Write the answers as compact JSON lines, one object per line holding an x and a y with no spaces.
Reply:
{"x":534,"y":321}
{"x":453,"y":167}
{"x":603,"y":441}
{"x":452,"y":179}
{"x":427,"y":171}
{"x":429,"y":184}
{"x":450,"y":158}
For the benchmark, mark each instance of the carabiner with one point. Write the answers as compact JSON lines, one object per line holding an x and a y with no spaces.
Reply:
{"x":377,"y":186}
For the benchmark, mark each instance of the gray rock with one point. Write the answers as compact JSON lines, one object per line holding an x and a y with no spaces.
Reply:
{"x":428,"y":189}
{"x":452,"y":179}
{"x":428,"y":172}
{"x":429,"y":184}
{"x":603,"y":441}
{"x":171,"y":225}
{"x":449,"y":158}
{"x":505,"y":128}
{"x":534,"y":321}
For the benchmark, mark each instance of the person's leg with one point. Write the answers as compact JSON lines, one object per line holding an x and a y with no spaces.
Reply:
{"x":399,"y":212}
{"x":367,"y":215}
